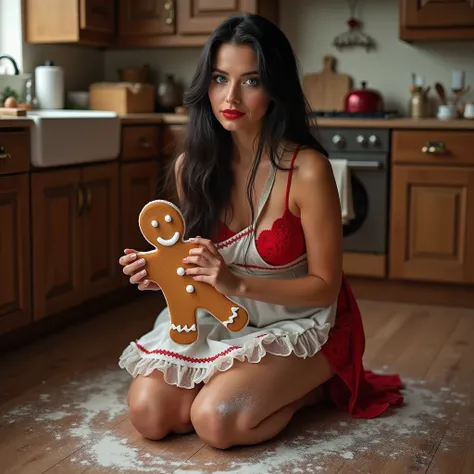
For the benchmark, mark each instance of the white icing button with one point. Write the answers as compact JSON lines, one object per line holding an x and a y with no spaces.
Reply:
{"x":154,"y":223}
{"x":168,"y":218}
{"x":180,"y":271}
{"x":190,"y":288}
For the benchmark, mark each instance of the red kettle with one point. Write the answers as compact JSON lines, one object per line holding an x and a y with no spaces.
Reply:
{"x":363,"y":100}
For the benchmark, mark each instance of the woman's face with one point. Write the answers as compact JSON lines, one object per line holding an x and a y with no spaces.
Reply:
{"x":237,"y":97}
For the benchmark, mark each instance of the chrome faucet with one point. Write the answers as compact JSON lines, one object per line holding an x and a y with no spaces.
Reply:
{"x":15,"y":66}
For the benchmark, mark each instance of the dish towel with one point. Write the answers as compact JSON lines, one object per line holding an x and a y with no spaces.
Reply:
{"x":342,"y":176}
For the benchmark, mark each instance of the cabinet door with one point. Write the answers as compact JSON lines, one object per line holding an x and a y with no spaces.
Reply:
{"x":438,"y":13}
{"x":15,"y":297}
{"x":432,"y":225}
{"x":97,"y":15}
{"x":141,"y":21}
{"x":100,"y":230}
{"x":203,"y":16}
{"x":56,"y":229}
{"x":138,"y":182}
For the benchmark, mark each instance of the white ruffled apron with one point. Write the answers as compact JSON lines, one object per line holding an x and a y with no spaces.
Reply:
{"x":273,"y":329}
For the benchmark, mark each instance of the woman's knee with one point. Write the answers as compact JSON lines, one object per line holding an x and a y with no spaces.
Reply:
{"x":147,"y":418}
{"x":156,"y":413}
{"x":220,"y":423}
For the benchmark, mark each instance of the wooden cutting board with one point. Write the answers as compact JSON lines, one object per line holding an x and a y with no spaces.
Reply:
{"x":12,"y":112}
{"x":326,"y":90}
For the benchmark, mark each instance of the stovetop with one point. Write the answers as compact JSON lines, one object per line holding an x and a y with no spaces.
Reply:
{"x":385,"y":115}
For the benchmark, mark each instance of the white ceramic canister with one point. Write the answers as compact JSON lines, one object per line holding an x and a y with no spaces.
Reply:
{"x":447,"y":112}
{"x":49,"y":86}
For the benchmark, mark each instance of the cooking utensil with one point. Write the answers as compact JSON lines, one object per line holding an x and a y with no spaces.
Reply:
{"x":326,"y":90}
{"x":363,"y":100}
{"x":441,"y":93}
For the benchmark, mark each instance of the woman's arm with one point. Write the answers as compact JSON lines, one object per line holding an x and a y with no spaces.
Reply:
{"x":315,"y":193}
{"x":177,"y":176}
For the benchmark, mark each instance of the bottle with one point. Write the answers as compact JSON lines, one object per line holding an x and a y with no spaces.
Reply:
{"x":418,"y":104}
{"x":30,"y":99}
{"x":49,"y":82}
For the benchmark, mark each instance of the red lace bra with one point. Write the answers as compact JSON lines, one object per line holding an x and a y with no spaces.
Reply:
{"x":284,"y":242}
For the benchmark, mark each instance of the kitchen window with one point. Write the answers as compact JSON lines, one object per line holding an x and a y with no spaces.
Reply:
{"x":11,"y":38}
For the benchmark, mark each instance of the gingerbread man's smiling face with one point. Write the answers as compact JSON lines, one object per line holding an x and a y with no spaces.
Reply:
{"x":161,"y":224}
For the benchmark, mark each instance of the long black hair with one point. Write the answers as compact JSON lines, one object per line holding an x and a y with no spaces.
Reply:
{"x":206,"y":175}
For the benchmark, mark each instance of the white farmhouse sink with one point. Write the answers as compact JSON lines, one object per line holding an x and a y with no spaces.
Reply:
{"x":68,"y":137}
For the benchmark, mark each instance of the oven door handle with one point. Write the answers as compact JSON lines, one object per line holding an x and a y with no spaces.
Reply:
{"x":364,"y":165}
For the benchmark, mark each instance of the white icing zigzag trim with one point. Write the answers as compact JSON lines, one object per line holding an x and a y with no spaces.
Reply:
{"x":185,"y":328}
{"x":169,"y":242}
{"x":233,"y":316}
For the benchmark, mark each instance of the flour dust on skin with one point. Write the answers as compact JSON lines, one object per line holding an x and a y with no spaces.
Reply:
{"x":96,"y":403}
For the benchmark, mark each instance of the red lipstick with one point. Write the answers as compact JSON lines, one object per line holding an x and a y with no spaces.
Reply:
{"x":231,"y":114}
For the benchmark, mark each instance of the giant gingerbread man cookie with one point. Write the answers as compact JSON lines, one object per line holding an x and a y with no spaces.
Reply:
{"x":162,"y":224}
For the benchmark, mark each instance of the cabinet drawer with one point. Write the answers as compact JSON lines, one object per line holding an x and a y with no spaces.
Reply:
{"x":14,"y":152}
{"x":173,"y":136}
{"x":139,"y":142}
{"x":433,"y":147}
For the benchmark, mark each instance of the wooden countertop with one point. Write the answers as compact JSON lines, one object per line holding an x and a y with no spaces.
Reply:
{"x":398,"y":123}
{"x":178,"y":119}
{"x":15,"y":122}
{"x":395,"y":123}
{"x":131,"y":119}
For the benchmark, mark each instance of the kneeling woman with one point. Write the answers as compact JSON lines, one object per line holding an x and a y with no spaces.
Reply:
{"x":258,"y":188}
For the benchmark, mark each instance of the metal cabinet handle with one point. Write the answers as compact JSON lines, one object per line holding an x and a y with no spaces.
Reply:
{"x":435,"y":148}
{"x":169,"y":9}
{"x":364,"y":165}
{"x":3,"y":153}
{"x":80,"y":199}
{"x":88,"y":197}
{"x":145,"y":143}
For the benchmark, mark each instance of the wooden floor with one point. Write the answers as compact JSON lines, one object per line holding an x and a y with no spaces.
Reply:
{"x":62,"y":405}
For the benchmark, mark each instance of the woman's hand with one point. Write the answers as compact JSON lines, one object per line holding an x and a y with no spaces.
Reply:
{"x":211,"y":268}
{"x":135,"y":269}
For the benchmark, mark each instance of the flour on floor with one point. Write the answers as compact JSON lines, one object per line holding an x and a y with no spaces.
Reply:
{"x":96,"y":404}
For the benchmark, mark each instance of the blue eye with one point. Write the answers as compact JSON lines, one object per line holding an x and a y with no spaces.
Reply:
{"x":219,"y":79}
{"x":253,"y":82}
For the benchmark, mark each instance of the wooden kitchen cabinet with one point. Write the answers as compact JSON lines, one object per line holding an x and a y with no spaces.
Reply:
{"x":138,"y":186}
{"x":133,"y":23}
{"x":140,"y":142}
{"x":432,"y":206}
{"x":201,"y":17}
{"x":436,"y":20}
{"x":88,"y":22}
{"x":15,"y":290}
{"x":172,"y":139}
{"x":145,"y":23}
{"x":75,"y":224}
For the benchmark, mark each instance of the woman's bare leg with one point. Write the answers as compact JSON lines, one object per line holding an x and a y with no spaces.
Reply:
{"x":251,"y":403}
{"x":157,"y":409}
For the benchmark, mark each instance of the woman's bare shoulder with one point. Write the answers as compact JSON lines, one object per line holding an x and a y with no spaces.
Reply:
{"x":311,"y":166}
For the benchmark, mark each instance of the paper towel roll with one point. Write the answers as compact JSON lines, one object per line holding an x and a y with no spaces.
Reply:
{"x":49,"y":86}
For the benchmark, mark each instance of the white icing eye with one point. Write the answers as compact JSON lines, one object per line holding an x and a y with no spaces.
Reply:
{"x":190,"y":288}
{"x":168,"y":218}
{"x":180,"y":271}
{"x":154,"y":223}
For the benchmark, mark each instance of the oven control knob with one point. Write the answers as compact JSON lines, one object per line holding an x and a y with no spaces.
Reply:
{"x":361,"y":140}
{"x":374,"y":140}
{"x":338,"y":141}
